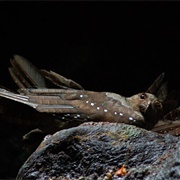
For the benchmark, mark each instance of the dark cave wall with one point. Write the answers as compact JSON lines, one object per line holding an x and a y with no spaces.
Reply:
{"x":105,"y":46}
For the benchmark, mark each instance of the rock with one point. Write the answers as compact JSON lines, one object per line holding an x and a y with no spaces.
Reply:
{"x":98,"y":150}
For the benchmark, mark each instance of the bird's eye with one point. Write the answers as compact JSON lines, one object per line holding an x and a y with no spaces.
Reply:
{"x":143,"y":96}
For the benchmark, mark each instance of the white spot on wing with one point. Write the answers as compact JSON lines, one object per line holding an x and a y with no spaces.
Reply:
{"x":131,"y":118}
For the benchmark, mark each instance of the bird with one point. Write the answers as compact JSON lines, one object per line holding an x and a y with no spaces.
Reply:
{"x":52,"y":102}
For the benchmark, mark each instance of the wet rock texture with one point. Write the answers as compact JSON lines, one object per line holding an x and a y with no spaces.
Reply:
{"x":98,"y":150}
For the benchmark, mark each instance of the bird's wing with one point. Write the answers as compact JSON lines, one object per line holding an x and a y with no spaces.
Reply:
{"x":59,"y":80}
{"x":26,"y":75}
{"x":78,"y":105}
{"x":159,"y":87}
{"x":170,"y":124}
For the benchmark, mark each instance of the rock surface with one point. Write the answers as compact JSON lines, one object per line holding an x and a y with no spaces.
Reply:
{"x":98,"y":150}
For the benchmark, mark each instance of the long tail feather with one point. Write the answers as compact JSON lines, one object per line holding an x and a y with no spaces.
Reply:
{"x":39,"y":107}
{"x":16,"y":97}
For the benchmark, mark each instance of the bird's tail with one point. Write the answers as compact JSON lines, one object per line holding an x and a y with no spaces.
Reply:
{"x":16,"y":97}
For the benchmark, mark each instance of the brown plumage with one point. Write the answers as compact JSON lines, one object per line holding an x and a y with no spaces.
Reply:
{"x":64,"y":103}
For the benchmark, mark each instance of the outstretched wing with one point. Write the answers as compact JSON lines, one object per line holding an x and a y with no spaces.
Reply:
{"x":170,"y":121}
{"x":169,"y":99}
{"x":159,"y":87}
{"x":26,"y":75}
{"x":170,"y":124}
{"x":59,"y":80}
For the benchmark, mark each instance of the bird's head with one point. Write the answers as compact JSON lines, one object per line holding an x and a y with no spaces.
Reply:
{"x":149,"y":106}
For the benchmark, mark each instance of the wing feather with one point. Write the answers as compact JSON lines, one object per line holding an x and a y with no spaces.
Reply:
{"x":26,"y":71}
{"x":156,"y":84}
{"x":60,"y":80}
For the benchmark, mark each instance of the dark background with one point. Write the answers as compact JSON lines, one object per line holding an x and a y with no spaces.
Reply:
{"x":105,"y":46}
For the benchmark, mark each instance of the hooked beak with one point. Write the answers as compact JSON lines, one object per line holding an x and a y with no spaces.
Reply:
{"x":155,"y":106}
{"x":152,"y":112}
